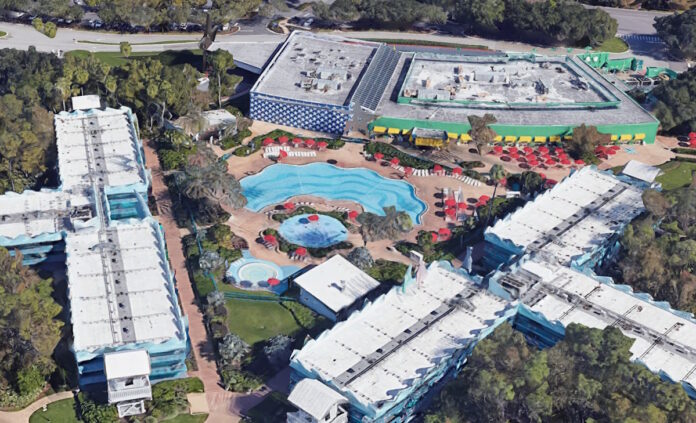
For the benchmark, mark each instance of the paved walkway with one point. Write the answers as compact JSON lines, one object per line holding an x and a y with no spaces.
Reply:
{"x":22,"y":416}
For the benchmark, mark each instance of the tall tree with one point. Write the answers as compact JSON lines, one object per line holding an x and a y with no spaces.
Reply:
{"x":221,"y":61}
{"x":481,"y":132}
{"x":584,"y":141}
{"x":393,"y":225}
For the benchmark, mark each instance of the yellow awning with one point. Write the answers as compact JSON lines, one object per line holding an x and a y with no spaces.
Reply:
{"x":466,"y":137}
{"x":452,"y":135}
{"x":639,"y":137}
{"x":554,"y":138}
{"x":614,"y":137}
{"x":567,"y":137}
{"x":379,"y":129}
{"x":510,"y":138}
{"x":625,"y":137}
{"x":539,"y":139}
{"x":393,"y":131}
{"x":498,"y":138}
{"x":525,"y":138}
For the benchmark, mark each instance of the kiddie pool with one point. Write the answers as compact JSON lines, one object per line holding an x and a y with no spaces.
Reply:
{"x":278,"y":182}
{"x":324,"y":232}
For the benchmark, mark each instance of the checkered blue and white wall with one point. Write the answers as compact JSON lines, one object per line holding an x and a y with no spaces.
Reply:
{"x":310,"y":116}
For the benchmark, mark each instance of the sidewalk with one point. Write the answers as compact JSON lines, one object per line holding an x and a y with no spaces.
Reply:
{"x":22,"y":416}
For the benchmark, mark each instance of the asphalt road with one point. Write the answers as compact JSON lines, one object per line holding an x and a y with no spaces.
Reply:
{"x":634,"y":21}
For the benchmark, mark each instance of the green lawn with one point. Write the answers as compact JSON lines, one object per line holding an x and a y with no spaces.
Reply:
{"x":428,"y":43}
{"x":676,"y":174}
{"x":256,"y":321}
{"x":613,"y":45}
{"x":139,"y":44}
{"x":3,"y":33}
{"x":188,"y":418}
{"x":114,"y":58}
{"x":62,"y":411}
{"x":272,"y":409}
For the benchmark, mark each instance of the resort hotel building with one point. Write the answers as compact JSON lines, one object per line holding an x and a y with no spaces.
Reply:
{"x":336,"y":85}
{"x":127,"y":326}
{"x":385,"y":361}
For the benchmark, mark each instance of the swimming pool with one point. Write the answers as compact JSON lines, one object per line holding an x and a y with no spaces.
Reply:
{"x":278,"y":182}
{"x":321,"y":233}
{"x":253,"y":274}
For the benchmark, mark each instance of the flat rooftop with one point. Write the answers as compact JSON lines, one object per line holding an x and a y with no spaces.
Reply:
{"x":392,"y":342}
{"x":625,"y":112}
{"x":98,"y":147}
{"x":316,"y":68}
{"x":664,"y":339}
{"x":551,"y":80}
{"x":120,"y":287}
{"x":574,"y":217}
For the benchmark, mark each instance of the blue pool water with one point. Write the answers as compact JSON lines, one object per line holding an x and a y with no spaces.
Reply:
{"x":279,"y":182}
{"x":322,"y":233}
{"x":253,"y":274}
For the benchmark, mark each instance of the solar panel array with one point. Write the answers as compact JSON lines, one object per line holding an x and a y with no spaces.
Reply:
{"x":378,"y":73}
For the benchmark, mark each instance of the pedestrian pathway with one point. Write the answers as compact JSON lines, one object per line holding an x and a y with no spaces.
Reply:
{"x":22,"y":416}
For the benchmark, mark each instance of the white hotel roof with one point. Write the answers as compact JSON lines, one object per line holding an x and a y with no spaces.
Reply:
{"x":564,"y":203}
{"x":119,"y":287}
{"x":337,"y":355}
{"x":675,"y":354}
{"x":337,"y":283}
{"x":97,"y":146}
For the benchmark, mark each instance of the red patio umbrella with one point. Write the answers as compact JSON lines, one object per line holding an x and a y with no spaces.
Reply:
{"x":444,"y":232}
{"x":352,"y":214}
{"x":408,"y":171}
{"x":533,"y":162}
{"x":615,"y":147}
{"x":437,"y":168}
{"x":543,"y":149}
{"x":282,"y":154}
{"x":283,"y":139}
{"x":528,"y":150}
{"x":313,"y":217}
{"x":559,"y":150}
{"x":273,"y":281}
{"x":692,"y":143}
{"x":394,"y":161}
{"x":580,"y":162}
{"x":530,"y":157}
{"x":450,"y":202}
{"x":503,"y":181}
{"x":297,"y":141}
{"x":457,"y":171}
{"x":289,"y":205}
{"x":512,"y":150}
{"x":610,"y":151}
{"x":450,"y":212}
{"x":433,"y":236}
{"x":550,"y":162}
{"x":462,"y":206}
{"x":692,"y":135}
{"x":309,"y":142}
{"x":322,"y":145}
{"x":378,"y":156}
{"x":268,"y":141}
{"x":270,"y":238}
{"x":498,"y":149}
{"x":550,"y":182}
{"x":301,"y":251}
{"x":484,"y":199}
{"x":543,"y":175}
{"x":600,"y":149}
{"x":565,"y":162}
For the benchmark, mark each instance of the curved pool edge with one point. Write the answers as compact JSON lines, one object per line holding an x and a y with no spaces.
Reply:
{"x":414,"y":189}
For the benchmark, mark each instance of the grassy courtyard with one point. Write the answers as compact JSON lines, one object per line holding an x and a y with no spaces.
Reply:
{"x":613,"y":45}
{"x":256,"y":321}
{"x":676,"y":174}
{"x":60,"y":411}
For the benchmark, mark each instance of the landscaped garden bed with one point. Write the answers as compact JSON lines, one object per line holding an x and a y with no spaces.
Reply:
{"x":287,"y":247}
{"x":256,"y":143}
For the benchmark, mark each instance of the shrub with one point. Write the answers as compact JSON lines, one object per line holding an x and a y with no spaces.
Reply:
{"x":387,"y":271}
{"x":203,"y":284}
{"x":304,"y":316}
{"x":92,"y":412}
{"x":172,"y":159}
{"x":234,"y":140}
{"x":30,"y":379}
{"x":238,"y":380}
{"x":390,"y":151}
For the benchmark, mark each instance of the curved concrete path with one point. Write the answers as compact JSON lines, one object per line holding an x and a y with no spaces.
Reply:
{"x":22,"y":416}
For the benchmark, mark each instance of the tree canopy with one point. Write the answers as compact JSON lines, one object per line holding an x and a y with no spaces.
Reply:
{"x":29,"y":330}
{"x":679,"y":32}
{"x":393,"y":225}
{"x":586,"y":377}
{"x":584,"y":141}
{"x":673,"y":106}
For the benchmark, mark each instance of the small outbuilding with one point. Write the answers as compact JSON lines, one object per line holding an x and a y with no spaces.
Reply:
{"x":317,"y":403}
{"x":335,"y":288}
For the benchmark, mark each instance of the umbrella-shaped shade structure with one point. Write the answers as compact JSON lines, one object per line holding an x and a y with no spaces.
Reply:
{"x":692,"y":143}
{"x":451,"y":212}
{"x":309,"y":142}
{"x":462,"y":206}
{"x":450,"y":202}
{"x":512,"y":150}
{"x":322,"y":145}
{"x":565,"y":161}
{"x":457,"y":171}
{"x":289,"y":205}
{"x":433,"y":236}
{"x":610,"y":151}
{"x":543,"y":149}
{"x":283,"y":140}
{"x":378,"y":156}
{"x":297,"y":141}
{"x":408,"y":171}
{"x":301,"y":251}
{"x":530,"y":157}
{"x":437,"y":168}
{"x":600,"y":149}
{"x":313,"y":217}
{"x":550,"y":182}
{"x":444,"y":232}
{"x":497,"y":149}
{"x":352,"y":214}
{"x":528,"y":150}
{"x":559,"y":150}
{"x":268,"y":141}
{"x":484,"y":199}
{"x":580,"y":162}
{"x":394,"y":161}
{"x":543,"y":175}
{"x":550,"y":162}
{"x":692,"y":135}
{"x":270,"y":238}
{"x":273,"y":281}
{"x":282,"y":154}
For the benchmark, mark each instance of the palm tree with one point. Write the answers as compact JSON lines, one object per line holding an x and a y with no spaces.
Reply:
{"x":481,"y":132}
{"x":496,"y":174}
